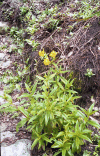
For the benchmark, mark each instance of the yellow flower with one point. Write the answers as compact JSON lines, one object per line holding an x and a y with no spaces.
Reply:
{"x":53,"y":54}
{"x":46,"y":61}
{"x":41,"y":53}
{"x":45,"y":76}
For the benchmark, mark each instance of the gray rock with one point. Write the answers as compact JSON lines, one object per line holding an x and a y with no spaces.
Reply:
{"x":6,"y":135}
{"x":3,"y":126}
{"x":19,"y":148}
{"x":2,"y":55}
{"x":3,"y":24}
{"x":96,"y":108}
{"x":6,"y":64}
{"x":96,"y":114}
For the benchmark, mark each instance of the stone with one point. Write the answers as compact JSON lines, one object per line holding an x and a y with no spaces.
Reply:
{"x":3,"y":24}
{"x":3,"y":127}
{"x":21,"y":147}
{"x":6,"y":64}
{"x":96,"y":108}
{"x":2,"y":55}
{"x":96,"y":114}
{"x":6,"y":135}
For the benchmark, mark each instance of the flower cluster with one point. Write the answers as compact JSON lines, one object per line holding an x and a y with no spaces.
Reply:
{"x":44,"y":56}
{"x":53,"y":54}
{"x":41,"y":53}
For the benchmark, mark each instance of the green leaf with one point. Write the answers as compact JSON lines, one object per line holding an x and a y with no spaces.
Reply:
{"x":86,"y":131}
{"x":53,"y":91}
{"x":57,"y":144}
{"x":65,"y":71}
{"x":85,"y":137}
{"x":28,"y":88}
{"x":60,"y":134}
{"x":35,"y":142}
{"x":51,"y":76}
{"x":32,"y":119}
{"x":63,"y":152}
{"x":21,"y":124}
{"x":70,"y":98}
{"x":46,"y":118}
{"x":23,"y":111}
{"x":34,"y":87}
{"x":64,"y":80}
{"x":8,"y":97}
{"x":94,"y":123}
{"x":4,"y":105}
{"x":57,"y":153}
{"x":77,"y":142}
{"x":60,"y":85}
{"x":25,"y":95}
{"x":79,"y":113}
{"x":91,"y":108}
{"x":77,"y":127}
{"x":46,"y":139}
{"x":39,"y":77}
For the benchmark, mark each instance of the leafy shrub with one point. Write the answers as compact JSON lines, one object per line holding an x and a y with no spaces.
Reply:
{"x":50,"y":112}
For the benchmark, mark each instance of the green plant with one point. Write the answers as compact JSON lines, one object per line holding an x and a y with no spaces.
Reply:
{"x":50,"y":112}
{"x":24,"y":10}
{"x":89,"y":73}
{"x":96,"y":138}
{"x":88,"y":9}
{"x":86,"y":153}
{"x":13,"y":31}
{"x":32,"y":43}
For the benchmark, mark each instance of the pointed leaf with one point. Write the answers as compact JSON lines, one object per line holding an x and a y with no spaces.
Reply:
{"x":40,"y":78}
{"x":63,"y":152}
{"x":21,"y":124}
{"x":60,"y":85}
{"x":23,"y":111}
{"x":85,"y":137}
{"x":46,"y":139}
{"x":28,"y":88}
{"x":35,"y":142}
{"x":77,"y":142}
{"x":77,"y":127}
{"x":4,"y":105}
{"x":51,"y":76}
{"x":94,"y":123}
{"x":60,"y":134}
{"x":25,"y":95}
{"x":91,"y":108}
{"x":34,"y":87}
{"x":57,"y":153}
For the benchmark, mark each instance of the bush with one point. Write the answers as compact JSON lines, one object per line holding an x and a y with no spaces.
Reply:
{"x":50,"y":112}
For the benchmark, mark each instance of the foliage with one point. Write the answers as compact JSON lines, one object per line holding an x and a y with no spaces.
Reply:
{"x":50,"y":111}
{"x":51,"y":114}
{"x":89,"y":73}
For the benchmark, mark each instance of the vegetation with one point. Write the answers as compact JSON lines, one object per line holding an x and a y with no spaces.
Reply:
{"x":49,"y":106}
